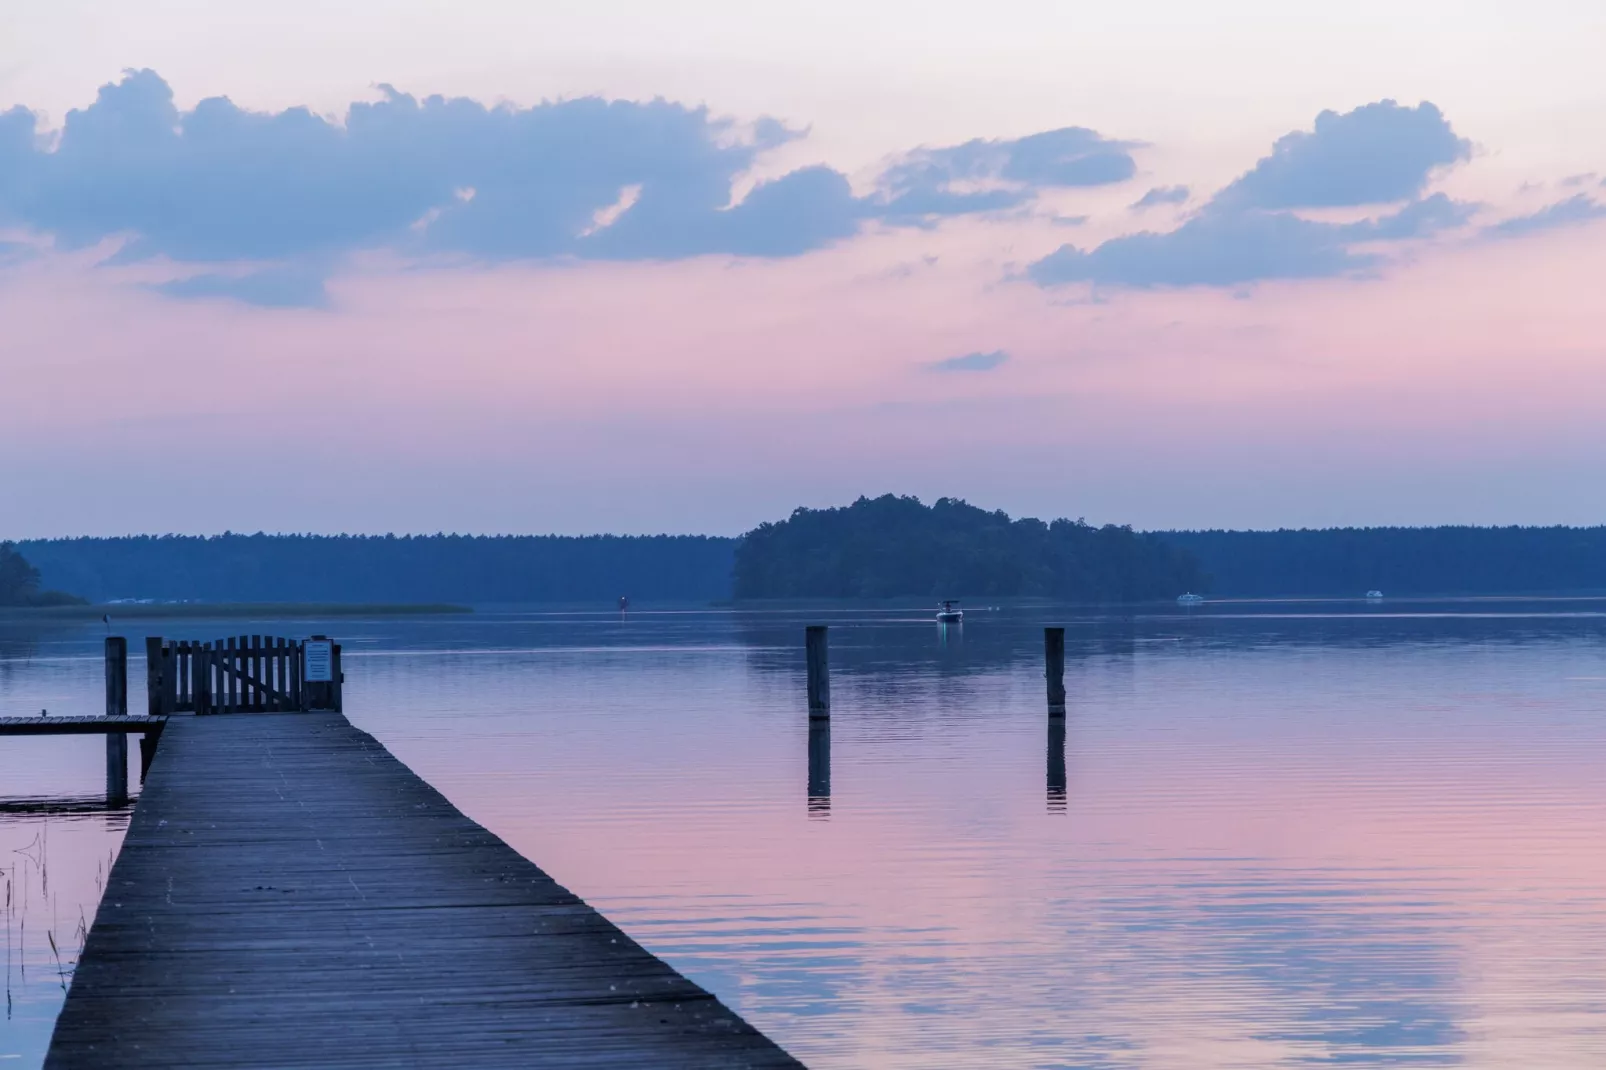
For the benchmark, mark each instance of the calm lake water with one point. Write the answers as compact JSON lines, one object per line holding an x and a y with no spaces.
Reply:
{"x":1269,"y":835}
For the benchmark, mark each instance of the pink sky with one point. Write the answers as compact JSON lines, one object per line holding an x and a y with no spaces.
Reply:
{"x":1457,"y":380}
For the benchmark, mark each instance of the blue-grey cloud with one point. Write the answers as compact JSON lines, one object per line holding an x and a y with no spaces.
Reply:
{"x":1248,"y":232}
{"x":971,"y":362}
{"x":1161,"y":195}
{"x":1418,"y":219}
{"x":11,"y":252}
{"x":992,"y":175}
{"x":280,"y":287}
{"x":1580,"y":208}
{"x":587,"y":178}
{"x":1225,"y":248}
{"x":1211,"y":249}
{"x":1373,"y":155}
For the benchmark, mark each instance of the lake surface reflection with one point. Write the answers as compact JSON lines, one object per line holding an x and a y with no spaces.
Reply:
{"x":1265,"y":835}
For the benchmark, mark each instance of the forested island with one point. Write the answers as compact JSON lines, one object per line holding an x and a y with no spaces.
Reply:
{"x":895,"y":546}
{"x":886,"y":547}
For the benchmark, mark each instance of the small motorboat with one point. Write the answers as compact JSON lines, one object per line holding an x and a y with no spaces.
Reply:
{"x":1374,"y":596}
{"x":1189,"y":599}
{"x":948,"y":612}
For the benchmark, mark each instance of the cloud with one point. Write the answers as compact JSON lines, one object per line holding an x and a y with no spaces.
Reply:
{"x":267,"y":288}
{"x":12,"y":252}
{"x":220,"y":183}
{"x":1211,"y":249}
{"x":1161,"y":195}
{"x":1375,"y":154}
{"x":1419,"y":219}
{"x":970,"y":362}
{"x":984,"y":176}
{"x":586,"y":178}
{"x":1580,"y":208}
{"x":1248,"y":231}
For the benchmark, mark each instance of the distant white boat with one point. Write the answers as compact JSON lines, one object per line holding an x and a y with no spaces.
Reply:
{"x":1374,"y":596}
{"x":1190,"y":599}
{"x":948,"y":612}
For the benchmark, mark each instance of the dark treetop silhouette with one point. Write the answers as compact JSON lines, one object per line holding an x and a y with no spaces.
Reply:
{"x":894,"y":546}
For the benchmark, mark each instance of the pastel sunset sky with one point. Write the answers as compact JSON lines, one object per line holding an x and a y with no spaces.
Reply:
{"x":498,"y":266}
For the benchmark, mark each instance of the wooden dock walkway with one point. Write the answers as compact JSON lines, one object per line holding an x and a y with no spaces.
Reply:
{"x":291,"y":895}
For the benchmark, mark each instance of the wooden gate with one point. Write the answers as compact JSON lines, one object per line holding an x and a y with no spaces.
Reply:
{"x":242,"y":674}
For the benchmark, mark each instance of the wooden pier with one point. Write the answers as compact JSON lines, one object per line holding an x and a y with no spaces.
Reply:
{"x":291,"y":895}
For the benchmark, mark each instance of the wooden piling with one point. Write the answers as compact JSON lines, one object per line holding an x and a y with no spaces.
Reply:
{"x":116,"y":676}
{"x":116,"y":768}
{"x":153,"y":675}
{"x":147,"y":751}
{"x":337,"y":686}
{"x":1054,"y":669}
{"x":817,"y":650}
{"x":169,"y":677}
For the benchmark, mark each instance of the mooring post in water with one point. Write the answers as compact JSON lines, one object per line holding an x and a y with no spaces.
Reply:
{"x":1054,"y":664}
{"x":116,"y":768}
{"x":1056,"y":763}
{"x":819,"y":766}
{"x":116,"y":676}
{"x":819,"y":671}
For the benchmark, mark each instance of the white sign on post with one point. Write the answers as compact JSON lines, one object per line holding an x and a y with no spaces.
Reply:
{"x":320,"y":657}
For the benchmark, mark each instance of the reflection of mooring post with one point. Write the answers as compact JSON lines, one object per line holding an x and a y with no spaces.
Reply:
{"x":1056,"y":763}
{"x":819,"y":766}
{"x":819,"y":672}
{"x":1054,"y":662}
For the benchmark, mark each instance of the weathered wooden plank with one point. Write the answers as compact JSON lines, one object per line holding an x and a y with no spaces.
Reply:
{"x":290,"y":895}
{"x":77,"y":726}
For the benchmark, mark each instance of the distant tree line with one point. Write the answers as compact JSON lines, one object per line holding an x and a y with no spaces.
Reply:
{"x":19,"y":582}
{"x":1399,"y":561}
{"x":875,"y":548}
{"x":897,"y":546}
{"x":388,"y":568}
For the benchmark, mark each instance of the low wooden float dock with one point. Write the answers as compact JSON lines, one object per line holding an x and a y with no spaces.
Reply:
{"x":291,"y":895}
{"x":52,"y":725}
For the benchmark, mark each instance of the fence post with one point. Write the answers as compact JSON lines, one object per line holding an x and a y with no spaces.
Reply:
{"x":817,"y":651}
{"x":116,"y":676}
{"x":169,"y":677}
{"x":1054,"y":666}
{"x":298,"y":689}
{"x":203,"y":679}
{"x":153,"y":675}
